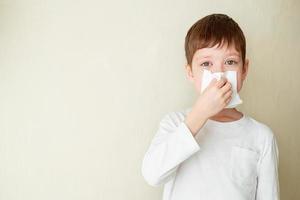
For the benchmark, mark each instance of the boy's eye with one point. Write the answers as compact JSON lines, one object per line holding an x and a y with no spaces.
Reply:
{"x":205,"y":64}
{"x":231,"y":62}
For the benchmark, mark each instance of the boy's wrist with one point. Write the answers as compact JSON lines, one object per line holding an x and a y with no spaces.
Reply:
{"x":195,"y":121}
{"x":199,"y":114}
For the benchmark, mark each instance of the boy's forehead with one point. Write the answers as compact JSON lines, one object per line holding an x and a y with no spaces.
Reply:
{"x":224,"y":50}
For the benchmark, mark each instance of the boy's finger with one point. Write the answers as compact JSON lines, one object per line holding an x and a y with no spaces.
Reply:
{"x":212,"y":82}
{"x":226,"y":87}
{"x":221,"y":82}
{"x":228,"y":94}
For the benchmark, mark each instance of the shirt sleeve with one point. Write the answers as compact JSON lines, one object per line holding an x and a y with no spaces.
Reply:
{"x":170,"y":146}
{"x":268,"y":181}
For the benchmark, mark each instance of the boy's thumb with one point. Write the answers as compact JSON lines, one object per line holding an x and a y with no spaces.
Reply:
{"x":212,"y":82}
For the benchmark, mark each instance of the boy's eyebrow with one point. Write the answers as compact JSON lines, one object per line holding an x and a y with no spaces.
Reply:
{"x":236,"y":54}
{"x":201,"y":57}
{"x":205,"y":57}
{"x":208,"y":56}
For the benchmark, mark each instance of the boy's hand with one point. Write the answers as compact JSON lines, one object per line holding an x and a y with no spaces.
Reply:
{"x":212,"y":100}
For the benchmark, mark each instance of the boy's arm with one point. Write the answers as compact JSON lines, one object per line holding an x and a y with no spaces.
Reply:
{"x":268,"y":180}
{"x":170,"y":146}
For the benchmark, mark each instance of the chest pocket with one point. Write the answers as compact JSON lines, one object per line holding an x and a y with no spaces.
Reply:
{"x":243,"y":165}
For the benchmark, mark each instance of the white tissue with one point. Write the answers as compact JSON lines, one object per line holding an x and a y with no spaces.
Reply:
{"x":231,"y":77}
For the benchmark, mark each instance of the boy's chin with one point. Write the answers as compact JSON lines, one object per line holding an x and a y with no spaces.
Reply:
{"x":227,"y":109}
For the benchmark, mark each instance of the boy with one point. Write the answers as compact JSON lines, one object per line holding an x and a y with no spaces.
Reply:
{"x":207,"y":151}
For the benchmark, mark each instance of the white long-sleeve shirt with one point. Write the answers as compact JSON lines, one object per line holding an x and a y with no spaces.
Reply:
{"x":235,"y":160}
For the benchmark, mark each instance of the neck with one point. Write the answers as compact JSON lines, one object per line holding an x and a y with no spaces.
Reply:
{"x":227,"y":115}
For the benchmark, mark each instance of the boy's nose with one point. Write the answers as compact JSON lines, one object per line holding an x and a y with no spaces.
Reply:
{"x":218,"y":68}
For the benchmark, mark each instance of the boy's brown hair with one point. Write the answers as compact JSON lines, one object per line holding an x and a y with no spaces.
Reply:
{"x":211,"y":30}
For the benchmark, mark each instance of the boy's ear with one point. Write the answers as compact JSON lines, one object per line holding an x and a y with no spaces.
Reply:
{"x":245,"y":69}
{"x":189,"y":72}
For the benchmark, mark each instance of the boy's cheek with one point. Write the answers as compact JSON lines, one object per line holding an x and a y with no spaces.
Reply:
{"x":239,"y":81}
{"x":239,"y":86}
{"x":197,"y":84}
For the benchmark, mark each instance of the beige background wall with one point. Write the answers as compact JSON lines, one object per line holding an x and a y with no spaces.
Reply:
{"x":83,"y":85}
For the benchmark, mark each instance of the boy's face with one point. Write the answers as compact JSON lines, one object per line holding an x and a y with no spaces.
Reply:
{"x":217,"y":59}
